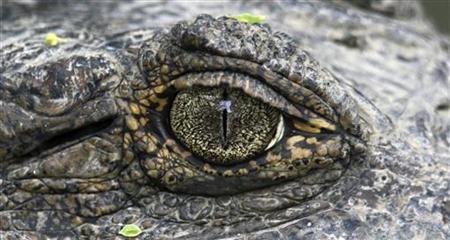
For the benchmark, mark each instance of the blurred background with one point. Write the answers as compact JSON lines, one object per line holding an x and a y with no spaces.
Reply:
{"x":439,"y":12}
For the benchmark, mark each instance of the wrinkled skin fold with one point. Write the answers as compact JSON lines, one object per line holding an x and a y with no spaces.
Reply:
{"x":87,"y":144}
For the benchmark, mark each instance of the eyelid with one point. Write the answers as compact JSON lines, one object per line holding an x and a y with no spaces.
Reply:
{"x":183,"y":63}
{"x":248,"y":85}
{"x":234,"y":80}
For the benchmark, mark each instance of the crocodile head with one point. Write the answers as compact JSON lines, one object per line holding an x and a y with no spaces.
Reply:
{"x":216,"y":128}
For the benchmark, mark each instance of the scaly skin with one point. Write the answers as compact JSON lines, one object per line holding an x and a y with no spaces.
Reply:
{"x":85,"y":145}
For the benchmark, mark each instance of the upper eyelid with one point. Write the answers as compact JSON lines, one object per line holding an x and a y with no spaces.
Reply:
{"x":248,"y":85}
{"x":155,"y":67}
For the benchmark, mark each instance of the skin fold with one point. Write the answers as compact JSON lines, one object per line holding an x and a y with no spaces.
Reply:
{"x":346,"y":102}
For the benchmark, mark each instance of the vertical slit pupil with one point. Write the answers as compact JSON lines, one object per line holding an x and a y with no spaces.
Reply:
{"x":225,"y":106}
{"x":224,"y":128}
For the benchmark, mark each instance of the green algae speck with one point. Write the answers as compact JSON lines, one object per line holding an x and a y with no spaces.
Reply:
{"x":51,"y":39}
{"x":130,"y":230}
{"x":249,"y":18}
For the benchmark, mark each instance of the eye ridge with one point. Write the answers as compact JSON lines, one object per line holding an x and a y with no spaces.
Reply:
{"x":316,"y":129}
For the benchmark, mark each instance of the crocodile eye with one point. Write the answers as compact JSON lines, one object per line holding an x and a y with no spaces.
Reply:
{"x":226,"y":107}
{"x":223,"y":125}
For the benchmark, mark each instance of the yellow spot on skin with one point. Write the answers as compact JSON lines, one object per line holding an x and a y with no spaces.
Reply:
{"x":77,"y":221}
{"x":293,"y":140}
{"x":141,"y":94}
{"x":160,"y":161}
{"x":161,"y":102}
{"x":272,"y":158}
{"x":164,"y":153}
{"x":143,"y":121}
{"x":139,"y":134}
{"x":188,"y":173}
{"x":129,"y":156}
{"x":305,"y":127}
{"x":322,"y":123}
{"x":127,"y":138}
{"x":151,"y":144}
{"x":164,"y":69}
{"x":150,"y":164}
{"x":179,"y":170}
{"x":228,"y":173}
{"x":145,"y":102}
{"x":132,"y":123}
{"x":134,"y":108}
{"x":206,"y":166}
{"x":300,"y":153}
{"x":171,"y":144}
{"x":243,"y":171}
{"x":208,"y":169}
{"x":151,"y":147}
{"x":143,"y":110}
{"x":160,"y":89}
{"x":51,"y":39}
{"x":254,"y":165}
{"x":311,"y":140}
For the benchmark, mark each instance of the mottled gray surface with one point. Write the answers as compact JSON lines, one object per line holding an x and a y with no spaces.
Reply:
{"x":398,"y":190}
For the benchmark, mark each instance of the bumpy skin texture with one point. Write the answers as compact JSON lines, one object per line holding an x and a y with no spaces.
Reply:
{"x":79,"y":121}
